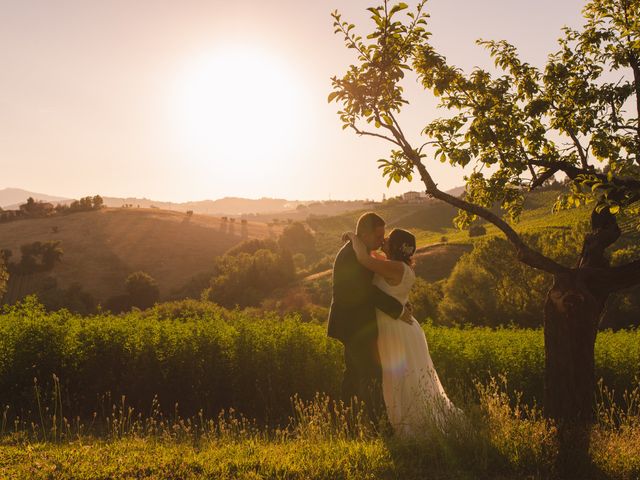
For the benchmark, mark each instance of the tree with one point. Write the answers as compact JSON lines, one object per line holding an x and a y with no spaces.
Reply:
{"x":39,"y":256}
{"x":4,"y":277}
{"x":5,"y":254}
{"x":488,"y":286}
{"x":298,"y":239}
{"x":252,"y":246}
{"x":247,"y":274}
{"x":97,"y":202}
{"x":523,"y":126}
{"x":36,"y":208}
{"x":73,"y":298}
{"x":51,"y":253}
{"x":142,"y":290}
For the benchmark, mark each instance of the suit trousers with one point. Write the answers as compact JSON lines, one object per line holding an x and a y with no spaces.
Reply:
{"x":363,"y":377}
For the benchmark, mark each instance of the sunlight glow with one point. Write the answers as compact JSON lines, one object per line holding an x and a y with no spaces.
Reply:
{"x":240,"y":109}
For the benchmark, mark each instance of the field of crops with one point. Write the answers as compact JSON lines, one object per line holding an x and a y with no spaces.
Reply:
{"x":201,"y":356}
{"x":140,"y":396}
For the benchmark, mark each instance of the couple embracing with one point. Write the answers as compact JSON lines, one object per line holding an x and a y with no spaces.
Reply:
{"x":387,"y":360}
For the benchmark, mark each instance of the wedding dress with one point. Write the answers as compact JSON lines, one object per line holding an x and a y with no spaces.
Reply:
{"x":413,"y":394}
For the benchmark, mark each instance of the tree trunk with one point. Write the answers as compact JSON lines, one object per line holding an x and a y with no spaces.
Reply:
{"x":572,"y":313}
{"x":571,"y":316}
{"x":573,"y":310}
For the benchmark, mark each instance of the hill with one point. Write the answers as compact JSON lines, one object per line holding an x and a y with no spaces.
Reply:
{"x":223,"y":206}
{"x":101,"y":248}
{"x":10,"y":198}
{"x":440,"y":244}
{"x":432,"y":220}
{"x":261,"y":210}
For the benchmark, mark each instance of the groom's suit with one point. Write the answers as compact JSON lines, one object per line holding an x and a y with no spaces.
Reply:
{"x":352,"y":320}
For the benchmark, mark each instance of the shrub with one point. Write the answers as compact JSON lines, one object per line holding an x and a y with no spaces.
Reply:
{"x":425,"y":298}
{"x":142,"y":290}
{"x":488,"y":286}
{"x":477,"y":231}
{"x":299,"y":260}
{"x":246,"y":279}
{"x":73,"y":298}
{"x":195,"y":354}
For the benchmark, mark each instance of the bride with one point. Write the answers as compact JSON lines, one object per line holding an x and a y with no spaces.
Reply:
{"x":413,"y":394}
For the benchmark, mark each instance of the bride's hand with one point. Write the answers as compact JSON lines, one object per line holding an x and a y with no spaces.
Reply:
{"x":348,"y":236}
{"x":358,"y":245}
{"x":407,"y":314}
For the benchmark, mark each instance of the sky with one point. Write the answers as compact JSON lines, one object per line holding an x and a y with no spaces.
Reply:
{"x":194,"y":99}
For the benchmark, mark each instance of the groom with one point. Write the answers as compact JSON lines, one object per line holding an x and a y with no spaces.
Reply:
{"x":352,"y":318}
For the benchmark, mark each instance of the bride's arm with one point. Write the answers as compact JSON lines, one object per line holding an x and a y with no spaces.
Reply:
{"x":389,"y":269}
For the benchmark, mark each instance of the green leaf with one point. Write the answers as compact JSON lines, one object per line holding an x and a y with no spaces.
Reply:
{"x":332,"y":96}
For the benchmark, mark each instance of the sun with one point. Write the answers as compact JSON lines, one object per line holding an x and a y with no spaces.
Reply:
{"x":241,"y":108}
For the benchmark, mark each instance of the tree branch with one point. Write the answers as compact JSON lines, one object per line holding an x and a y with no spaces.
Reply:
{"x":543,"y":177}
{"x":572,"y":172}
{"x":624,"y":276}
{"x":580,"y":148}
{"x":604,"y":232}
{"x":525,"y":253}
{"x":364,"y":132}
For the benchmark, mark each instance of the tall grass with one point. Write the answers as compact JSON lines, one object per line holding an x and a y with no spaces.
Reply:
{"x":496,"y":438}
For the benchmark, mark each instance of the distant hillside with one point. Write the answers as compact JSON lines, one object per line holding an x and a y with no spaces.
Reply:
{"x":258,"y":210}
{"x":224,"y":206}
{"x":264,"y":210}
{"x":432,"y":220}
{"x":456,"y":192}
{"x":432,"y":224}
{"x":12,"y":197}
{"x":102,"y":248}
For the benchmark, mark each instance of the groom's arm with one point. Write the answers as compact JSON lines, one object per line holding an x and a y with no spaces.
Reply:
{"x":388,"y":304}
{"x":349,"y":284}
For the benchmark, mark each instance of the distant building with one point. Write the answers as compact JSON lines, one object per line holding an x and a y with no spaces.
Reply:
{"x":414,"y":197}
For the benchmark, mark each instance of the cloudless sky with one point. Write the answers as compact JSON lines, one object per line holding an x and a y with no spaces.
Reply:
{"x":194,"y":99}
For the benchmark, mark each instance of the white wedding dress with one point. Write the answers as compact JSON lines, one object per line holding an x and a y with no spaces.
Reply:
{"x":412,"y":391}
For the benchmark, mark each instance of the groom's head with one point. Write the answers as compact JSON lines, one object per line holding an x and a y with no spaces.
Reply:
{"x":370,"y":229}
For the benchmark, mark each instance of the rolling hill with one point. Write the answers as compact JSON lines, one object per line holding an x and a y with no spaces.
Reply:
{"x":440,"y":244}
{"x":101,"y":248}
{"x":11,"y":198}
{"x":262,"y":210}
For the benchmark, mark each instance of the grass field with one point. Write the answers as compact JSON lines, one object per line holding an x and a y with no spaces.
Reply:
{"x":495,"y":440}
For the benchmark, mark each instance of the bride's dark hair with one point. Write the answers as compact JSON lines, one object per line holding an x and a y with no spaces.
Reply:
{"x":402,"y":245}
